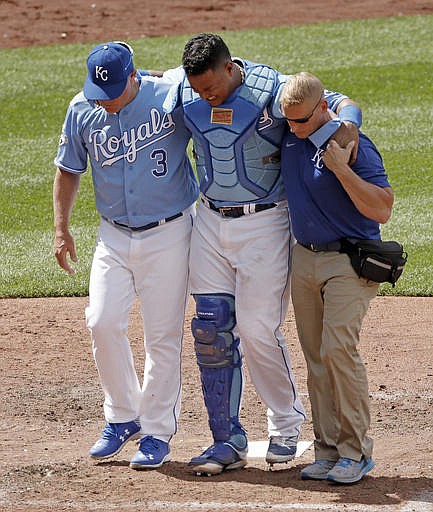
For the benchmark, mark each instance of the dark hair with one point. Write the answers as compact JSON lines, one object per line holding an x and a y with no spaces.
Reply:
{"x":203,"y":52}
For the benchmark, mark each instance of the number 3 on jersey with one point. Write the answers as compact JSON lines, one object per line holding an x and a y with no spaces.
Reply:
{"x":160,"y":157}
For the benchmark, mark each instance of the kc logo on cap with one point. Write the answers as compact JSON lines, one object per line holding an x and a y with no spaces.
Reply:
{"x":101,"y":73}
{"x":108,"y":68}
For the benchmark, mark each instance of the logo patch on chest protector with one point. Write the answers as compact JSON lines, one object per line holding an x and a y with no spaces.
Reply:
{"x":221,"y":116}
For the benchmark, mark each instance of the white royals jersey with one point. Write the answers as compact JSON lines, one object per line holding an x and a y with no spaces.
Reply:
{"x":141,"y":172}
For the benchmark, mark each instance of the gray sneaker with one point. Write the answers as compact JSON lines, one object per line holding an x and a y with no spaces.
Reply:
{"x":348,"y":471}
{"x":318,"y":470}
{"x":281,"y":449}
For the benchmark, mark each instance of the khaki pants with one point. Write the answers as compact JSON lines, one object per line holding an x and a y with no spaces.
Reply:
{"x":330,"y":303}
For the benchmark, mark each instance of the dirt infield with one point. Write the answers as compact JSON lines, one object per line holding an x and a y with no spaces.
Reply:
{"x":51,"y":414}
{"x":51,"y":403}
{"x":31,"y":22}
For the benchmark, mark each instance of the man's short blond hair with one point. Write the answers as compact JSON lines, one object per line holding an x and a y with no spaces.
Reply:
{"x":300,"y":87}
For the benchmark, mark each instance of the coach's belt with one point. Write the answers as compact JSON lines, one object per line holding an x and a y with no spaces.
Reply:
{"x":238,"y":211}
{"x":146,"y":226}
{"x":332,"y":246}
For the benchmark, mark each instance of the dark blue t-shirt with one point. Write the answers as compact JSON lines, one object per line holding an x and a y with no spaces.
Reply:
{"x":320,"y":208}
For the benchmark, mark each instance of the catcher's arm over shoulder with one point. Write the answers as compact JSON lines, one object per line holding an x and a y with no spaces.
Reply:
{"x":351,"y":115}
{"x":65,"y":190}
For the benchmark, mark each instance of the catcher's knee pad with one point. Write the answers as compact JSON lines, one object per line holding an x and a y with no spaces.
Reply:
{"x":220,"y":363}
{"x":212,"y":330}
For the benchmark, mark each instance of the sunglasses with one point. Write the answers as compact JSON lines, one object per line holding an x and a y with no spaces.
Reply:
{"x":306,"y":118}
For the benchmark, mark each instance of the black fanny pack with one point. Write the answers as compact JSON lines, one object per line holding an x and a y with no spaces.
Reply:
{"x":374,"y":259}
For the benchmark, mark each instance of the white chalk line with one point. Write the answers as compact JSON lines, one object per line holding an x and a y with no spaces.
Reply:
{"x":383,"y":395}
{"x":409,"y":506}
{"x":398,"y":396}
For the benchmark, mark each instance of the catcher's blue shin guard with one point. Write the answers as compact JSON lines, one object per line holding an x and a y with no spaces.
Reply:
{"x":220,"y":364}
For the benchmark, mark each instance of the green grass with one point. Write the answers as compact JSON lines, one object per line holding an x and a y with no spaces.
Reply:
{"x":384,"y":64}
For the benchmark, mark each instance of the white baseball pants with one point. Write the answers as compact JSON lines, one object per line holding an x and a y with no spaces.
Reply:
{"x":153,"y":266}
{"x":249,"y":257}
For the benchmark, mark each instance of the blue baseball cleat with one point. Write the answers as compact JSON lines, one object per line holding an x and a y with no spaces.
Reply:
{"x":113,"y":439}
{"x":151,"y":454}
{"x":281,"y":449}
{"x":219,"y":457}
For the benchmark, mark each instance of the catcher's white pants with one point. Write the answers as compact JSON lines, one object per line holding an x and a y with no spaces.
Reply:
{"x":249,"y":257}
{"x":152,"y":265}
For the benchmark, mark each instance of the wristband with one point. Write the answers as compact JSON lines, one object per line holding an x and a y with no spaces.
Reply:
{"x":352,"y":114}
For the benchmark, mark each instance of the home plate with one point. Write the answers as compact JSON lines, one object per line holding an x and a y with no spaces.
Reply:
{"x":258,"y":449}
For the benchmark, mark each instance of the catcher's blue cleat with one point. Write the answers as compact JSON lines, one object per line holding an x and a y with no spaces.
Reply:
{"x":219,"y":457}
{"x":281,"y":449}
{"x":113,"y":439}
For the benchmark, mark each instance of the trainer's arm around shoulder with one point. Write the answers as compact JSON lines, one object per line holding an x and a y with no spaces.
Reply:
{"x":371,"y":200}
{"x":65,"y":190}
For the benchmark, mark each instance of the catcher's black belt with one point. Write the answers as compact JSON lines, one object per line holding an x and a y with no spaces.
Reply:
{"x":237,"y":211}
{"x":331,"y":246}
{"x":146,"y":226}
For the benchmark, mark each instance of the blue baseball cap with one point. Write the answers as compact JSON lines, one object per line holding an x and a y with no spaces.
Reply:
{"x":108,"y":68}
